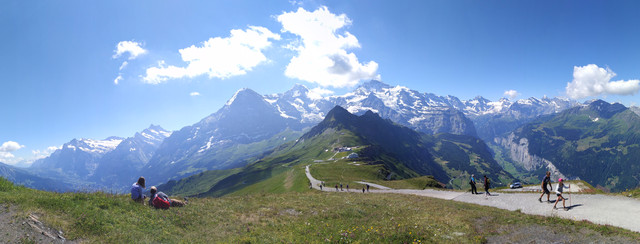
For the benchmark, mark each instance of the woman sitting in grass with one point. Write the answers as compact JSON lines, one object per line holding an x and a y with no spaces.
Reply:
{"x":136,"y":191}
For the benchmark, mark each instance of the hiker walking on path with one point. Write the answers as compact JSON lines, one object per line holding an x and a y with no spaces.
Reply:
{"x":487,"y":185}
{"x":559,"y":190}
{"x":347,"y":187}
{"x":546,"y":181}
{"x":367,"y":187}
{"x":472,"y":182}
{"x":336,"y":187}
{"x":136,"y":191}
{"x":341,"y":187}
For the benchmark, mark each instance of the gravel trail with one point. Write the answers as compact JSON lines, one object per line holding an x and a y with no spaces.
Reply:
{"x":600,"y":209}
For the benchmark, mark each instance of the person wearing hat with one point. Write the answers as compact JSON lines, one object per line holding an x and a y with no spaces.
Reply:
{"x":559,"y":190}
{"x":136,"y":191}
{"x":472,"y":182}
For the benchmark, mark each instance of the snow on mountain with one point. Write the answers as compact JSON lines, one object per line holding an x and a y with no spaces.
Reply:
{"x":77,"y":158}
{"x":154,"y":135}
{"x":218,"y":141}
{"x":106,"y":162}
{"x":422,"y":111}
{"x":116,"y":168}
{"x":95,"y":147}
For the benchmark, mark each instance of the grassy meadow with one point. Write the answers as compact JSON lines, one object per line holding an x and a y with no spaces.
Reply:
{"x":294,"y":217}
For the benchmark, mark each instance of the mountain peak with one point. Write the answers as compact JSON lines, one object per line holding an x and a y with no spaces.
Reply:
{"x":244,"y":95}
{"x":374,"y":85}
{"x":606,"y":109}
{"x":337,"y":113}
{"x":371,"y":114}
{"x":156,"y":128}
{"x":297,"y":90}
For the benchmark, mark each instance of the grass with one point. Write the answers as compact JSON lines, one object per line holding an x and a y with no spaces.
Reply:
{"x":309,"y":217}
{"x":632,"y":193}
{"x":348,"y":172}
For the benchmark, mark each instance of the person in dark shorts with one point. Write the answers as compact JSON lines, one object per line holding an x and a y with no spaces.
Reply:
{"x":546,"y":181}
{"x":487,"y":185}
{"x":559,"y":190}
{"x":472,"y":182}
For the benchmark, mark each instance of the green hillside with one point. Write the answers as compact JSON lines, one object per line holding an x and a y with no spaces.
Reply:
{"x":310,"y":217}
{"x":388,"y":154}
{"x":599,"y":143}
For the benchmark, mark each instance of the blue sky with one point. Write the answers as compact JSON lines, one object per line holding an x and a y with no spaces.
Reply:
{"x":60,"y":59}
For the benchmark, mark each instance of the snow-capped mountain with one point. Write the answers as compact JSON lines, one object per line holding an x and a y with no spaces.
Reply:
{"x":77,"y":158}
{"x":421,"y":111}
{"x":101,"y":164}
{"x":424,"y":112}
{"x":494,"y":119}
{"x":224,"y":139}
{"x":121,"y":166}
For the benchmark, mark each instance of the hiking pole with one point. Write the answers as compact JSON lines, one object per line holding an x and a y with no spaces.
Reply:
{"x":570,"y":197}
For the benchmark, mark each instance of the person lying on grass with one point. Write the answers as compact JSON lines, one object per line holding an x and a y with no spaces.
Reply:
{"x":162,"y":201}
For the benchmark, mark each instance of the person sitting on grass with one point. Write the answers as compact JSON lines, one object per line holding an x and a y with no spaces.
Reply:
{"x":136,"y":191}
{"x":160,"y":200}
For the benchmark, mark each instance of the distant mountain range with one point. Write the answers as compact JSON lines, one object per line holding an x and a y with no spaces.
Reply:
{"x":109,"y":164}
{"x":251,"y":126}
{"x":403,"y":153}
{"x":597,"y":142}
{"x":23,"y":177}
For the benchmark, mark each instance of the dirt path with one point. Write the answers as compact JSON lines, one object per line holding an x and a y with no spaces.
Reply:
{"x":18,"y":229}
{"x":600,"y":209}
{"x":374,"y":185}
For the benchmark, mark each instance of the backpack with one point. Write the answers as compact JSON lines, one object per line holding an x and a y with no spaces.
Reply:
{"x":158,"y":202}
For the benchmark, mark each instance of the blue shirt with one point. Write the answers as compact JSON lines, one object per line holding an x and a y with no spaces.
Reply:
{"x":136,"y":191}
{"x":151,"y":199}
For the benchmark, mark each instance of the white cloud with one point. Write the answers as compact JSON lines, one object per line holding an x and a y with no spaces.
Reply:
{"x":591,"y":80}
{"x":117,"y":79}
{"x":5,"y":152}
{"x":123,"y":65}
{"x":218,"y":57}
{"x":321,"y":55}
{"x":6,"y":156}
{"x":318,"y":93}
{"x":10,"y":146}
{"x":133,"y":48}
{"x":39,"y":154}
{"x":193,"y":94}
{"x":511,"y":94}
